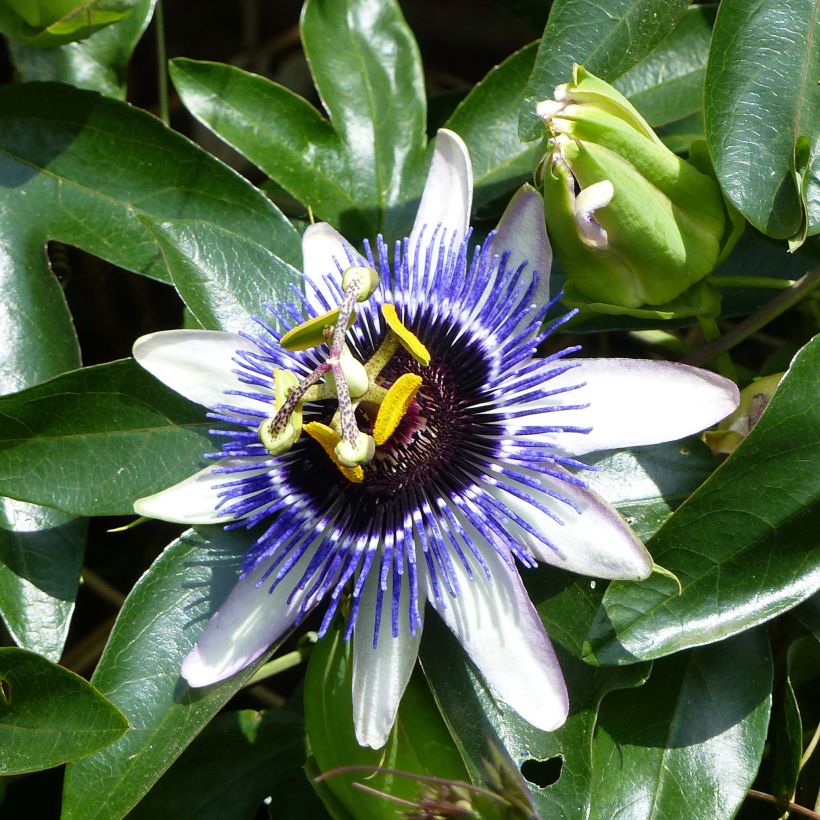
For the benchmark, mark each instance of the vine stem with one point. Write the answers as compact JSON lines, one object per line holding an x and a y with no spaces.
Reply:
{"x":786,"y":804}
{"x":751,"y":324}
{"x":162,"y":64}
{"x":768,"y":282}
{"x":711,"y":333}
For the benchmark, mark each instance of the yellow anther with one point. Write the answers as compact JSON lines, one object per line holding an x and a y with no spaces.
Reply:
{"x":395,"y":404}
{"x":407,"y":340}
{"x":328,"y":439}
{"x":311,"y":333}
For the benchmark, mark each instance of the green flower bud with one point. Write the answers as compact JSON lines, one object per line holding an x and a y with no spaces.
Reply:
{"x":633,"y":224}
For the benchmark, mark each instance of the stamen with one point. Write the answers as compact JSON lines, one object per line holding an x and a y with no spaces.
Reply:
{"x":407,"y":339}
{"x":327,"y":440}
{"x":311,"y":333}
{"x":394,"y":406}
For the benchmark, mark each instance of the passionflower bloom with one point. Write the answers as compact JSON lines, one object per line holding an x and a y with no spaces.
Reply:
{"x":416,"y":452}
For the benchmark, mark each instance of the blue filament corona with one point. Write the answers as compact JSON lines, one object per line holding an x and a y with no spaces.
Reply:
{"x":325,"y":536}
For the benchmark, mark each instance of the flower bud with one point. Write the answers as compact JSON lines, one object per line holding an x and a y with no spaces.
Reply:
{"x":633,"y":224}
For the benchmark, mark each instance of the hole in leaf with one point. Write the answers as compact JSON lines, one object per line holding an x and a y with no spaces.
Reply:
{"x":542,"y":772}
{"x":5,"y":691}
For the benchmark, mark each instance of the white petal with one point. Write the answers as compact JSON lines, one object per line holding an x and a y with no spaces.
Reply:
{"x":500,"y":629}
{"x":325,"y":252}
{"x":197,"y":364}
{"x":447,"y":196}
{"x":244,"y":627}
{"x":595,"y":541}
{"x":633,"y":402}
{"x":522,"y":231}
{"x":380,"y":675}
{"x":194,"y":500}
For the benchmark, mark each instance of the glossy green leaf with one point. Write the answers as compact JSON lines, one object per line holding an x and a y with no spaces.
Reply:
{"x":41,"y":551}
{"x":668,"y":84}
{"x":477,"y":717}
{"x":787,"y":734}
{"x":419,"y":741}
{"x":224,"y":278}
{"x":739,"y":545}
{"x":762,"y":102}
{"x":487,"y":120}
{"x":646,"y":484}
{"x":809,"y":615}
{"x":678,"y":136}
{"x":92,"y":441}
{"x":688,"y":743}
{"x":367,"y":69}
{"x":238,"y":760}
{"x":97,"y":63}
{"x":606,"y":38}
{"x":359,"y":170}
{"x":296,"y":146}
{"x":139,"y":671}
{"x":49,"y":715}
{"x":49,"y":23}
{"x":82,"y":169}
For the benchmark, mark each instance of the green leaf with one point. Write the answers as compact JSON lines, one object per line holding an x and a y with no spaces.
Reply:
{"x":787,"y":734}
{"x":238,"y":760}
{"x":678,"y":136}
{"x":49,"y":23}
{"x":49,"y":715}
{"x":298,"y":147}
{"x":487,"y":120}
{"x":82,"y":169}
{"x":98,"y":63}
{"x":738,"y":545}
{"x":225,"y":278}
{"x":41,"y":551}
{"x":419,"y":742}
{"x":367,"y":69}
{"x":761,"y":109}
{"x":606,"y":38}
{"x":646,"y":484}
{"x":477,"y":717}
{"x":808,"y":614}
{"x":688,"y":743}
{"x":139,"y":672}
{"x":668,"y":84}
{"x":361,"y":169}
{"x":92,"y":441}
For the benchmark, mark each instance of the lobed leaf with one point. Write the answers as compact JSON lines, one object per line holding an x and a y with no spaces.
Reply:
{"x":82,"y":169}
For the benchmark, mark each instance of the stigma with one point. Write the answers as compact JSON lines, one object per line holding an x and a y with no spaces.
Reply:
{"x":361,"y":410}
